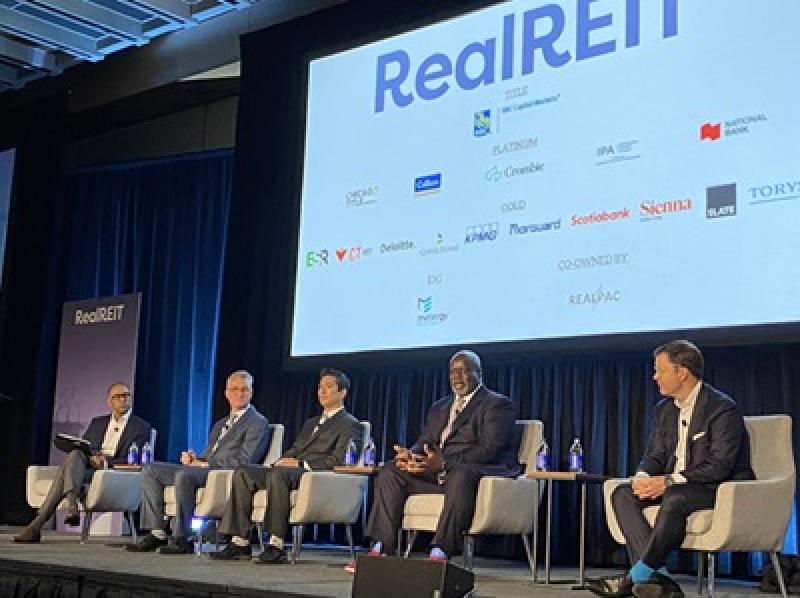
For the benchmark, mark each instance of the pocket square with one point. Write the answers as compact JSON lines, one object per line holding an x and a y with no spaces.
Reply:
{"x":698,"y":435}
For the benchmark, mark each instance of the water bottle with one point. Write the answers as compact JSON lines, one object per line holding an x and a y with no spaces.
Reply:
{"x":133,"y":454}
{"x":147,"y":453}
{"x":351,"y":456}
{"x":369,"y":453}
{"x":543,"y":457}
{"x":575,"y":459}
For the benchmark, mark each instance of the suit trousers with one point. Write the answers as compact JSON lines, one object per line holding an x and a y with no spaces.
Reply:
{"x":69,"y":481}
{"x":653,"y":544}
{"x":247,"y":480}
{"x":393,"y":486}
{"x":186,"y":479}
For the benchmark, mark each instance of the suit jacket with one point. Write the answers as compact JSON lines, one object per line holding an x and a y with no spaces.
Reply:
{"x":326,"y":448}
{"x":482,"y":434}
{"x":717,"y":446}
{"x":136,"y":430}
{"x":243,"y":444}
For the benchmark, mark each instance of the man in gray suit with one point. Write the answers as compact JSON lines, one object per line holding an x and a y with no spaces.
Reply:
{"x":238,"y":439}
{"x":321,"y":444}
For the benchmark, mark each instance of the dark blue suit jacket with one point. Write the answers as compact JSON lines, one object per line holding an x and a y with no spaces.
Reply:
{"x":136,"y":430}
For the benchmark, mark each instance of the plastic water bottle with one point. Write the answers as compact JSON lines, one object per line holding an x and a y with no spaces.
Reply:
{"x":351,"y":456}
{"x":369,"y":453}
{"x":543,"y":456}
{"x":575,"y":459}
{"x":147,"y":453}
{"x":133,"y":454}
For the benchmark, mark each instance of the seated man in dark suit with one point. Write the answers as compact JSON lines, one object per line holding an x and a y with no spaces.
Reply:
{"x":698,"y":440}
{"x":320,"y":445}
{"x":110,"y":437}
{"x":235,"y":440}
{"x":469,"y":434}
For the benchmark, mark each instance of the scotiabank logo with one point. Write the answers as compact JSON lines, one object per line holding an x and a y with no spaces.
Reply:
{"x":710,"y":132}
{"x":656,"y":210}
{"x":599,"y":217}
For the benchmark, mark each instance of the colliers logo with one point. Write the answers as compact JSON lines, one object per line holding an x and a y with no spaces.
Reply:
{"x":428,"y":184}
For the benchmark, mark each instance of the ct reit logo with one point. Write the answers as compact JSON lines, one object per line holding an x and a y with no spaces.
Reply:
{"x":482,"y":123}
{"x":710,"y":132}
{"x":721,"y":201}
{"x":428,"y":184}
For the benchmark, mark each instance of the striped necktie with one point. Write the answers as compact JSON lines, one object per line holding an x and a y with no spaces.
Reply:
{"x":225,"y":428}
{"x":458,"y":407}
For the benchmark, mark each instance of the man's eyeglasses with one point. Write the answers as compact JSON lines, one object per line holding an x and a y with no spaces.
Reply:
{"x":121,"y":395}
{"x":239,"y":388}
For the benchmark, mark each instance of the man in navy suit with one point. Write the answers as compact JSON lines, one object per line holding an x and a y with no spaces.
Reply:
{"x":238,"y":439}
{"x":110,"y":436}
{"x":698,"y":440}
{"x":469,"y":434}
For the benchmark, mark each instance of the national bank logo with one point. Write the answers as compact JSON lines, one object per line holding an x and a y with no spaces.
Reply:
{"x":316,"y":258}
{"x":480,"y":233}
{"x":721,"y":201}
{"x":428,"y":184}
{"x":482,"y":123}
{"x":731,"y":127}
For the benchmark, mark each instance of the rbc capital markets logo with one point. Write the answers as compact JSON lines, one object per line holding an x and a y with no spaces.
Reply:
{"x":479,"y":233}
{"x":428,"y":184}
{"x":482,"y":123}
{"x":721,"y":201}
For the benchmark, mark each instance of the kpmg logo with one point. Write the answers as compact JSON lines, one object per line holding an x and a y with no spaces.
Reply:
{"x":529,"y":229}
{"x":480,"y":233}
{"x":599,"y":217}
{"x":656,"y":210}
{"x":721,"y":201}
{"x":517,"y":145}
{"x":740,"y":125}
{"x":99,"y":315}
{"x":426,"y":316}
{"x":595,"y":298}
{"x":776,"y":191}
{"x":593,"y":261}
{"x":622,"y":151}
{"x":316,"y":258}
{"x":428,"y":184}
{"x":482,"y":123}
{"x":361,"y":197}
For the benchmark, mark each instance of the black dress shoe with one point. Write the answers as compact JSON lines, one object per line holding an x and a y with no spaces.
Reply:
{"x":177,"y":546}
{"x":271,"y":555}
{"x":73,"y":517}
{"x":658,"y":586}
{"x":147,"y":544}
{"x":613,"y":586}
{"x":230,"y":552}
{"x":29,"y":535}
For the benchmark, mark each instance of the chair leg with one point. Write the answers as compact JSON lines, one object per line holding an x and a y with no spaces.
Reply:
{"x":399,"y":549}
{"x":776,"y":563}
{"x":85,"y":524}
{"x":297,"y":539}
{"x":348,"y":529}
{"x":701,"y":560}
{"x":712,"y":556}
{"x":260,"y":531}
{"x":469,"y":551}
{"x":412,"y":535}
{"x":527,"y":544}
{"x":134,"y":534}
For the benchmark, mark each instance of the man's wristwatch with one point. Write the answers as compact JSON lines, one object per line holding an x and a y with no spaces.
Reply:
{"x":669,"y":480}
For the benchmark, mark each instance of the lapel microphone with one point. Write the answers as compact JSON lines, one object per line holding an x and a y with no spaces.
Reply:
{"x":683,"y":423}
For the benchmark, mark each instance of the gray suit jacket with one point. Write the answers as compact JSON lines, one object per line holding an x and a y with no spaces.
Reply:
{"x":243,"y":444}
{"x":326,"y":448}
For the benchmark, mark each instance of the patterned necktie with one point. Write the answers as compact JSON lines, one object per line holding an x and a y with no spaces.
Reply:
{"x":321,"y":421}
{"x":458,"y":407}
{"x":228,"y":425}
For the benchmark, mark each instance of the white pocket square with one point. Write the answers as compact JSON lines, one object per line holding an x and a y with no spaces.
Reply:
{"x":698,"y":435}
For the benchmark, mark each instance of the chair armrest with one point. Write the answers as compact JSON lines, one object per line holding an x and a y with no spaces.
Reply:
{"x":38,"y":480}
{"x":506,"y":506}
{"x":112,"y":490}
{"x":328,"y":497}
{"x":215,"y":494}
{"x":611,"y":519}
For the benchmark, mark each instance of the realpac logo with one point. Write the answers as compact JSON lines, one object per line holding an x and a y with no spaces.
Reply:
{"x":428,"y":184}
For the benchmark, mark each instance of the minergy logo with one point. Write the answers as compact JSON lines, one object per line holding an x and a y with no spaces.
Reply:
{"x":397,"y":246}
{"x":361,"y":197}
{"x":721,"y":201}
{"x":529,"y":229}
{"x":316,"y":258}
{"x":517,"y":145}
{"x":495,"y":175}
{"x":426,"y":316}
{"x":599,"y":217}
{"x":772,"y":192}
{"x":99,"y":315}
{"x":480,"y":233}
{"x":741,"y":125}
{"x":622,"y":151}
{"x":440,"y":247}
{"x":425,"y":304}
{"x":428,"y":184}
{"x":482,"y":123}
{"x":596,"y":298}
{"x":592,"y":261}
{"x":656,"y":210}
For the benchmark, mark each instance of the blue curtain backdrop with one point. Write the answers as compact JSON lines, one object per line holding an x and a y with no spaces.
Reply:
{"x":159,"y":228}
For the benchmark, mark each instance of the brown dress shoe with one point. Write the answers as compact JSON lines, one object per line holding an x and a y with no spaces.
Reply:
{"x":28,"y":535}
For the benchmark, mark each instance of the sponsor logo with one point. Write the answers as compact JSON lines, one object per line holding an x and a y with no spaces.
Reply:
{"x":527,"y":229}
{"x":99,"y":315}
{"x":513,"y":206}
{"x":710,"y":132}
{"x":361,"y":197}
{"x":397,"y":246}
{"x":532,"y":103}
{"x":517,"y":145}
{"x":656,"y":210}
{"x":440,"y":247}
{"x":595,"y":298}
{"x":597,"y":217}
{"x":593,"y":261}
{"x":741,"y":125}
{"x":434,"y":279}
{"x":622,"y":151}
{"x":428,"y":184}
{"x":480,"y":233}
{"x":494,"y":174}
{"x":774,"y":192}
{"x":425,"y":304}
{"x":721,"y":201}
{"x":351,"y":254}
{"x":482,"y":123}
{"x":425,"y":313}
{"x":316,"y":258}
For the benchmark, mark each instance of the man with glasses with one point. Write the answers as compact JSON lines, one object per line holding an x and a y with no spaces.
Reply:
{"x":237,"y":439}
{"x":110,"y":437}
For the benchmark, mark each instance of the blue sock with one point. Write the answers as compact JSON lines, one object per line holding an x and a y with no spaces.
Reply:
{"x":640,"y":572}
{"x":438,"y":553}
{"x":377,"y":547}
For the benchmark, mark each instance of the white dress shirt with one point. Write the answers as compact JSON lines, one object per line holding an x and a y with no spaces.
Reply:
{"x":113,"y":434}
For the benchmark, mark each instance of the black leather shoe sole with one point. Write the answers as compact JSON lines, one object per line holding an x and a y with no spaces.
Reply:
{"x":271,"y":557}
{"x":231,"y":552}
{"x":147,"y":544}
{"x":619,"y":586}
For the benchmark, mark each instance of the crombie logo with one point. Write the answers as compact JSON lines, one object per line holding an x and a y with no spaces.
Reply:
{"x":518,"y":145}
{"x":361,"y":197}
{"x":527,"y":229}
{"x":721,"y":201}
{"x":710,"y":132}
{"x":351,"y":254}
{"x":513,"y":206}
{"x":597,"y":217}
{"x":108,"y":313}
{"x":619,"y":152}
{"x":593,"y":261}
{"x":654,"y":210}
{"x":397,"y":246}
{"x":482,"y":123}
{"x":774,"y":192}
{"x":481,"y":232}
{"x":741,"y":125}
{"x":494,"y":174}
{"x":316,"y":258}
{"x":425,"y":314}
{"x":595,"y":298}
{"x":428,"y":184}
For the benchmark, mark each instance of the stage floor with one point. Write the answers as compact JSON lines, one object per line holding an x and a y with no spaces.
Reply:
{"x":319,"y":572}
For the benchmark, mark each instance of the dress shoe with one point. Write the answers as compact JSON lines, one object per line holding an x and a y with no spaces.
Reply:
{"x":177,"y":546}
{"x":147,"y":544}
{"x":230,"y":552}
{"x":29,"y":535}
{"x":351,"y":566}
{"x":73,"y":517}
{"x":658,"y":586}
{"x":613,"y":586}
{"x":271,"y":555}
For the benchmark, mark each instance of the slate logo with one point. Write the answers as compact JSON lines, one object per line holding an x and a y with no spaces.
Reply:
{"x":710,"y":132}
{"x":721,"y":201}
{"x":482,"y":123}
{"x":428,"y":184}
